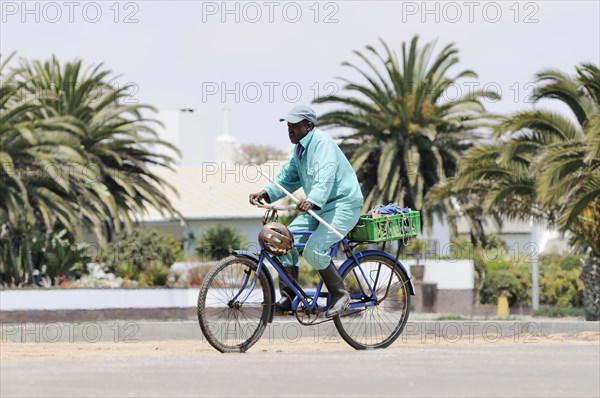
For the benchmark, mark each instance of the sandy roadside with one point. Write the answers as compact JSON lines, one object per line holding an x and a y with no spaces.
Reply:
{"x":16,"y":352}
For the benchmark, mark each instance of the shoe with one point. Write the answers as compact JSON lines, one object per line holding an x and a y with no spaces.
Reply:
{"x":287,"y":294}
{"x":339,"y":297}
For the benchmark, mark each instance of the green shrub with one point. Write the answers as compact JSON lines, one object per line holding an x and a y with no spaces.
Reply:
{"x":501,"y":265}
{"x":559,"y":283}
{"x":64,"y":258}
{"x":218,"y":241}
{"x":127,"y":271}
{"x":555,"y":261}
{"x":54,"y":258}
{"x":547,"y":261}
{"x":561,"y":288}
{"x":140,"y":248}
{"x":155,"y":274}
{"x":516,"y":282}
{"x":571,"y":263}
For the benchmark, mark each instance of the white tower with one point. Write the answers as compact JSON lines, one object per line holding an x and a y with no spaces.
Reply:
{"x":227,"y":146}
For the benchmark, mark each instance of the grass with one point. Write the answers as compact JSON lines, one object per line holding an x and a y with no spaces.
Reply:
{"x":558,"y":312}
{"x":451,"y":318}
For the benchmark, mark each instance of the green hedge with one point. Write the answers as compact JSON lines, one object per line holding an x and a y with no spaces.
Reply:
{"x":559,"y":312}
{"x":561,"y":288}
{"x":145,"y":254}
{"x":516,"y":282}
{"x":559,"y":283}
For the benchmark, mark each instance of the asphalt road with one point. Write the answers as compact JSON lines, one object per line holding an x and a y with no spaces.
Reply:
{"x":523,"y":370}
{"x":281,"y":328}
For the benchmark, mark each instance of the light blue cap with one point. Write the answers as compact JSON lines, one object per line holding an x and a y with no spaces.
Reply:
{"x":299,"y":113}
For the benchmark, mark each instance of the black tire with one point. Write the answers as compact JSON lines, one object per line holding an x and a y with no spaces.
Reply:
{"x":380,"y":325}
{"x":230,"y":327}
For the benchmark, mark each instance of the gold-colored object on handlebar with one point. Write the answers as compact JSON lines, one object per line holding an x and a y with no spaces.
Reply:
{"x":270,"y":216}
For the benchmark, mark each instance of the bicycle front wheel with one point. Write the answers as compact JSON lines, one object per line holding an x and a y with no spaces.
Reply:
{"x":380,"y":325}
{"x":232,"y":312}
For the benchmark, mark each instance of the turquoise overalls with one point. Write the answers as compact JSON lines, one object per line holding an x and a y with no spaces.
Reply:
{"x":330,"y":183}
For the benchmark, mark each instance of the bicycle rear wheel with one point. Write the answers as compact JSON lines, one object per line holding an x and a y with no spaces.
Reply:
{"x":229,"y":324}
{"x":380,"y":325}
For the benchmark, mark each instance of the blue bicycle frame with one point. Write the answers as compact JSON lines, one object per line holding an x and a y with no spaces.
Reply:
{"x":309,"y":299}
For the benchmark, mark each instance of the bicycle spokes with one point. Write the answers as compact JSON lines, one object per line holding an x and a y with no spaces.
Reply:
{"x":234,"y":305}
{"x":370,"y":322}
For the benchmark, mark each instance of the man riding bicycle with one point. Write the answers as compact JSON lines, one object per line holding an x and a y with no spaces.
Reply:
{"x":332,"y":191}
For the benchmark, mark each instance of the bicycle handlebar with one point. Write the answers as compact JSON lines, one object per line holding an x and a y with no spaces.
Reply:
{"x":273,"y":207}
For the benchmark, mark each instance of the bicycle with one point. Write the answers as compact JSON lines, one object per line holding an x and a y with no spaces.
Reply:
{"x":237,"y":298}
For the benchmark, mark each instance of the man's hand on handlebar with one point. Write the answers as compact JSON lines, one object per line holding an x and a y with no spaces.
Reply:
{"x":304,"y":205}
{"x":258,"y":197}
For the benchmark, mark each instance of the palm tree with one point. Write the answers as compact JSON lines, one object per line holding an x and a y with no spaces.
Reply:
{"x":406,"y":137}
{"x":70,"y":160}
{"x":13,"y":193}
{"x":12,"y":127}
{"x":569,"y":173}
{"x":546,"y":165}
{"x":29,"y":196}
{"x":117,"y":139}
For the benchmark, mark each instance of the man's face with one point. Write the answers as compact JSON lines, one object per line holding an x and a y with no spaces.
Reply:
{"x":297,"y":131}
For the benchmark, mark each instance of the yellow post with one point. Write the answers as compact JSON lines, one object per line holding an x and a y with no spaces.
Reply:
{"x":502,"y":305}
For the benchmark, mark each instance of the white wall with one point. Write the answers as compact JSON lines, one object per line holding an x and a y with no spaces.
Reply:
{"x":448,"y":274}
{"x":71,"y":299}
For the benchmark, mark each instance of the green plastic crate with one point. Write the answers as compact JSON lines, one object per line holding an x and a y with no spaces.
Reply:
{"x":386,"y":228}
